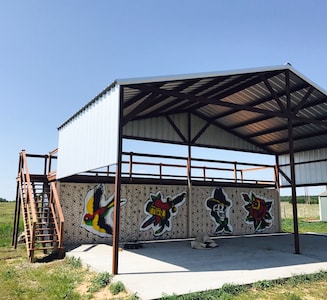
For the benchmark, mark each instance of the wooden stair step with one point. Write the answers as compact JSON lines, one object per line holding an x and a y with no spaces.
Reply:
{"x":45,"y":223}
{"x":45,"y":228}
{"x":45,"y":241}
{"x":45,"y":235}
{"x":38,"y":230}
{"x":43,"y":248}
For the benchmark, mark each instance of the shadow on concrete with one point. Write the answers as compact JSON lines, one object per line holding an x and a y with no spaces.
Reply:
{"x":175,"y":268}
{"x":237,"y":253}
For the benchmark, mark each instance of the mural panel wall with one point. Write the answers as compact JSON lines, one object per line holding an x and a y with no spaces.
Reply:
{"x":150,"y":212}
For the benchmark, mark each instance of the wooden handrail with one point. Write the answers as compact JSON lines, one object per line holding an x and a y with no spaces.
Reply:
{"x":29,"y":202}
{"x":35,"y":206}
{"x":57,"y":211}
{"x":51,"y":157}
{"x":30,"y":198}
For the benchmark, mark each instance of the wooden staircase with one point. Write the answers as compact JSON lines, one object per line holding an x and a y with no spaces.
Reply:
{"x":38,"y":203}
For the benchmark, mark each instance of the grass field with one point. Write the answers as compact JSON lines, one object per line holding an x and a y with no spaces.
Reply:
{"x":308,"y":218}
{"x":67,"y":279}
{"x":61,"y":279}
{"x":305,"y":211}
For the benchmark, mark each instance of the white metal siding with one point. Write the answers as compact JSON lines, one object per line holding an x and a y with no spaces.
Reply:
{"x":90,"y":140}
{"x":323,"y":208}
{"x":307,"y":173}
{"x":219,"y":138}
{"x":160,"y":128}
{"x":156,"y":128}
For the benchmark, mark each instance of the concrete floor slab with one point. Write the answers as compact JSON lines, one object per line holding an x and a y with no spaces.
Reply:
{"x":167,"y":268}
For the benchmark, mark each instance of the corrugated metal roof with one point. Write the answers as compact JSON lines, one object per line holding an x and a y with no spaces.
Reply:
{"x":251,"y":105}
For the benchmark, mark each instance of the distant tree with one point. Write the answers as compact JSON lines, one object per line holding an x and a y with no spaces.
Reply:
{"x":3,"y":200}
{"x":300,"y":199}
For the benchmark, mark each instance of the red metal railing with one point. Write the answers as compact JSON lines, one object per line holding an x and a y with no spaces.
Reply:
{"x":141,"y":165}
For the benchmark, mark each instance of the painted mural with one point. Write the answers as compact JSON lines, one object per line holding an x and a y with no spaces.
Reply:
{"x":160,"y":211}
{"x":77,"y":203}
{"x":219,"y":206}
{"x":258,"y":211}
{"x":98,"y":211}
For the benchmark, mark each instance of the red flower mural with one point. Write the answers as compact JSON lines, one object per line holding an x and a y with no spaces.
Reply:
{"x":258,"y":211}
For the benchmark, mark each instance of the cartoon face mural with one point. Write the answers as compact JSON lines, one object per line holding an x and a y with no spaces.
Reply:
{"x":98,"y":211}
{"x":258,"y":211}
{"x":219,"y":206}
{"x":160,"y":212}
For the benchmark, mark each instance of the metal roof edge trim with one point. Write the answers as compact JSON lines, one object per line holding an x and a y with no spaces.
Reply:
{"x":315,"y":85}
{"x":140,"y":80}
{"x":107,"y":89}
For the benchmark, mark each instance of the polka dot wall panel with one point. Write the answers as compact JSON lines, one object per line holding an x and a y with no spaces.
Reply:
{"x":158,"y":212}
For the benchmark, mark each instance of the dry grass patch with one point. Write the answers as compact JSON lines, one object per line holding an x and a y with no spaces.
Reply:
{"x":305,"y":211}
{"x":104,"y":293}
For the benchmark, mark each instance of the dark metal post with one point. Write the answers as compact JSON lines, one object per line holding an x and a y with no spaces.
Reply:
{"x":17,"y":204}
{"x":130,"y":165}
{"x":189,"y":177}
{"x":189,"y":192}
{"x":293,"y":183}
{"x":115,"y":238}
{"x":276,"y":170}
{"x":292,"y":167}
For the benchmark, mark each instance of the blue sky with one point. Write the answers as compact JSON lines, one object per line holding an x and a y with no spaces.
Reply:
{"x":58,"y":55}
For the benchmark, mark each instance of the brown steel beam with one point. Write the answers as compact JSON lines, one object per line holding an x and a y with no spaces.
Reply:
{"x":180,"y":134}
{"x":166,"y":108}
{"x":260,"y":101}
{"x":212,"y":100}
{"x":226,"y":128}
{"x":298,"y":138}
{"x":200,"y":132}
{"x":148,"y":101}
{"x":303,"y":100}
{"x":273,"y":93}
{"x":284,"y":127}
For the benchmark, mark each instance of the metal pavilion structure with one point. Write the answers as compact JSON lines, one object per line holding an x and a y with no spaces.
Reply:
{"x":270,"y":110}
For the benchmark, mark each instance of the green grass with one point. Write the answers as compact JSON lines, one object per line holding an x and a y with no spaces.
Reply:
{"x":308,"y":218}
{"x":55,"y":280}
{"x":6,"y":223}
{"x":100,"y":281}
{"x":21,"y":280}
{"x":312,"y":286}
{"x":60,"y":279}
{"x":117,"y":287}
{"x":304,"y":226}
{"x":304,"y":211}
